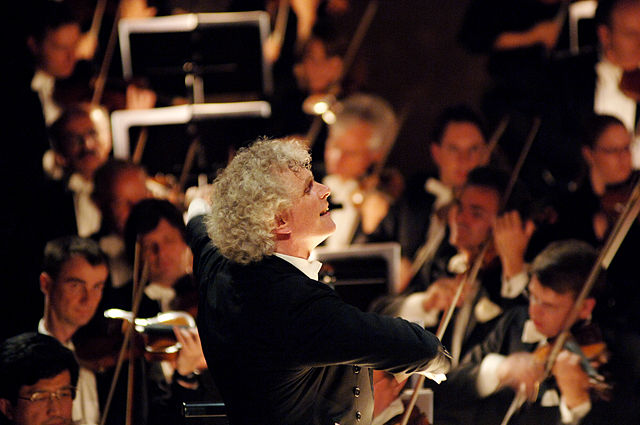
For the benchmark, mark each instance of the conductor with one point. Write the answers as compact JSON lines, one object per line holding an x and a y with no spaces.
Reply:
{"x":283,"y":348}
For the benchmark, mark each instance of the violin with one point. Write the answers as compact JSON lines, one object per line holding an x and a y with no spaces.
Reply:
{"x":586,"y":340}
{"x":154,"y":338}
{"x":615,"y":197}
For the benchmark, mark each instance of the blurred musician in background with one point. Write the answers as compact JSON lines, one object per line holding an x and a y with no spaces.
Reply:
{"x":593,"y":82}
{"x":359,"y":141}
{"x":81,"y":143}
{"x":118,"y":185}
{"x":457,"y":145}
{"x":590,"y":212}
{"x":475,"y":219}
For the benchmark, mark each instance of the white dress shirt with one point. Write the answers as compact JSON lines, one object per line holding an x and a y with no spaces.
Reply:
{"x":88,"y":216}
{"x":609,"y":100}
{"x":85,"y":409}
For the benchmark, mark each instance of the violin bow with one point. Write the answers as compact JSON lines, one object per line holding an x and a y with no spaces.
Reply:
{"x":347,"y":62}
{"x":280,"y":27}
{"x":101,"y":79}
{"x":473,"y":273}
{"x":605,"y":256}
{"x":427,"y":250}
{"x":139,"y":280}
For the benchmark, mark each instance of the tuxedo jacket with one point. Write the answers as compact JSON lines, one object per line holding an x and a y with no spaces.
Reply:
{"x":467,"y":408}
{"x":284,"y":349}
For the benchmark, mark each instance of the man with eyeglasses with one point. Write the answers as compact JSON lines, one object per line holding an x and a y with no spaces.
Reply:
{"x":593,"y":379}
{"x":37,"y":380}
{"x":457,"y":145}
{"x":80,"y":143}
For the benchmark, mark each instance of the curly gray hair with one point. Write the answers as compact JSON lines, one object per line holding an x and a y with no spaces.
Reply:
{"x":249,"y":194}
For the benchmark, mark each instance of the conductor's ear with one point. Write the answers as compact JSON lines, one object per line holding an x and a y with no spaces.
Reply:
{"x":282,"y":230}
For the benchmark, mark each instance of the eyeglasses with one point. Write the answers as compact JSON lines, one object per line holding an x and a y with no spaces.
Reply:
{"x":66,"y":393}
{"x":614,"y":151}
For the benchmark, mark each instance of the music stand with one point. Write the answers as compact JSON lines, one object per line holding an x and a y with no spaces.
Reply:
{"x":170,"y":130}
{"x":203,"y":57}
{"x":360,"y":273}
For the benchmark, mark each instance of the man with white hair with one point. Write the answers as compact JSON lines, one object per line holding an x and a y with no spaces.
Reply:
{"x":359,"y":140}
{"x":284,"y":348}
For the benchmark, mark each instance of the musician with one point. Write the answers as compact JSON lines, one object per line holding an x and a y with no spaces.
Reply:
{"x":81,"y":143}
{"x":487,"y":379}
{"x":118,"y":185}
{"x":590,"y":82}
{"x":283,"y":348}
{"x":53,"y":41}
{"x":589,"y":213}
{"x":502,"y":277}
{"x":458,"y":145}
{"x":159,"y":227}
{"x":37,"y":380}
{"x":73,"y":276}
{"x":359,"y":140}
{"x":606,"y":151}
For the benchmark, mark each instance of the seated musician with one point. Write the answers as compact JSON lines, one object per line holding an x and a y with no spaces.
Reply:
{"x":500,"y":281}
{"x":37,"y":380}
{"x":118,"y":185}
{"x":160,"y":228}
{"x":590,"y":212}
{"x":512,"y":357}
{"x":457,"y":146}
{"x":284,"y":348}
{"x":81,"y":143}
{"x":358,"y":141}
{"x":73,"y":275}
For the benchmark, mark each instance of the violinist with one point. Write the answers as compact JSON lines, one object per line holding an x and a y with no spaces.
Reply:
{"x":119,"y":184}
{"x":160,"y":229}
{"x":589,"y":212}
{"x":52,"y":40}
{"x":458,"y":144}
{"x":511,"y":358}
{"x":474,"y":218}
{"x":73,"y":276}
{"x":80,"y":144}
{"x":358,"y":141}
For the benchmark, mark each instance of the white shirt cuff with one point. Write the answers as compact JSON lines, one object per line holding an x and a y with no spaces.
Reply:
{"x":411,"y":310}
{"x":514,"y":286}
{"x":575,"y":415}
{"x":197,"y":207}
{"x":487,"y":381}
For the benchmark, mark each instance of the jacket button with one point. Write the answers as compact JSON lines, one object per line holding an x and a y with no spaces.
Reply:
{"x":358,"y":415}
{"x":356,"y":391}
{"x":356,"y":369}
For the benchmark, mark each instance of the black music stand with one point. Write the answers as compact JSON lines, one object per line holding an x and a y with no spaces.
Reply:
{"x":360,"y":273}
{"x":204,"y":413}
{"x":203,"y":57}
{"x":220,"y":128}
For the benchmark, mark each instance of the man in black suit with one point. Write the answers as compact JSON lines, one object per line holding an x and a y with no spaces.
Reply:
{"x":284,"y":348}
{"x":511,"y":358}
